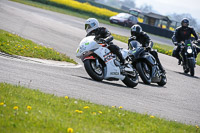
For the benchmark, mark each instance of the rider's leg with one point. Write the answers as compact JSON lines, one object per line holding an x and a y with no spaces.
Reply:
{"x":175,"y":53}
{"x":155,"y":54}
{"x":116,"y":50}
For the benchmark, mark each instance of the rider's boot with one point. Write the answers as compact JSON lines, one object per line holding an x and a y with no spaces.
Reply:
{"x":179,"y":61}
{"x":161,"y":68}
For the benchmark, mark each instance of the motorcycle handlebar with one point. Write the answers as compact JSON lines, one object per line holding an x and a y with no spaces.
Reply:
{"x":109,"y":39}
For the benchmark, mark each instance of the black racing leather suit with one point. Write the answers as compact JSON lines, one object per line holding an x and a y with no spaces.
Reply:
{"x":145,"y":41}
{"x":102,"y":32}
{"x":181,"y":34}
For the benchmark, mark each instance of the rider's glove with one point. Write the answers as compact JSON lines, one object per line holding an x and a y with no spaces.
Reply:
{"x":148,"y":48}
{"x":176,"y":43}
{"x":101,"y":40}
{"x":110,"y":43}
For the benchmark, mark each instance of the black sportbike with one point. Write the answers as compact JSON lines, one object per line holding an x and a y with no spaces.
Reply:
{"x":146,"y":64}
{"x":188,"y":56}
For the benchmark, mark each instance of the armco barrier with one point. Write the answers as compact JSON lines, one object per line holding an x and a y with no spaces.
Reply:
{"x":156,"y":30}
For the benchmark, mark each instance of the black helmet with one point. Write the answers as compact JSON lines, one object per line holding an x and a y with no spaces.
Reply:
{"x":185,"y":22}
{"x":135,"y":30}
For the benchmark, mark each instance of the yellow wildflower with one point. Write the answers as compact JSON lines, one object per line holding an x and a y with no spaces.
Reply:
{"x":77,"y":111}
{"x":152,"y":116}
{"x":29,"y":107}
{"x":70,"y":130}
{"x":120,"y":107}
{"x":80,"y":112}
{"x":86,"y":107}
{"x":15,"y":107}
{"x":1,"y":104}
{"x":86,"y":7}
{"x":197,"y":126}
{"x":66,"y":97}
{"x":100,"y":112}
{"x":113,"y":106}
{"x":94,"y":113}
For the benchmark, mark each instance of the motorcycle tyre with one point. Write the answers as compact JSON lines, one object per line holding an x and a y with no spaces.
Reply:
{"x":142,"y":74}
{"x":130,"y":82}
{"x":191,"y":65}
{"x":91,"y":72}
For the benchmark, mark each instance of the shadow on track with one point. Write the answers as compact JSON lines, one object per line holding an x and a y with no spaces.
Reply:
{"x":104,"y":82}
{"x":155,"y":85}
{"x":188,"y":75}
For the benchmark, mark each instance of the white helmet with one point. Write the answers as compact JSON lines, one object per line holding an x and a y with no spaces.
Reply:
{"x":136,"y":29}
{"x":91,"y":24}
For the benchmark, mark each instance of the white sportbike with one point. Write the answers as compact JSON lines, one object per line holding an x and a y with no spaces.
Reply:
{"x":101,"y":64}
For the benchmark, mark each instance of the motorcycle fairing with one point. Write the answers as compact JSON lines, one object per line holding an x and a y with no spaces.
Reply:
{"x":110,"y":70}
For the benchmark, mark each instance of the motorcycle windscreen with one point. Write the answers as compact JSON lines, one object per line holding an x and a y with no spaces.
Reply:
{"x":134,"y":44}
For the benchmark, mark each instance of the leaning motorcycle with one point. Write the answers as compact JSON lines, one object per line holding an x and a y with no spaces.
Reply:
{"x":188,"y":55}
{"x":146,"y":64}
{"x":101,"y":64}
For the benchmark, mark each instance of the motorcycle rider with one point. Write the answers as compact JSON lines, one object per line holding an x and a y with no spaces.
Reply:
{"x":101,"y":33}
{"x":181,"y":34}
{"x":142,"y":37}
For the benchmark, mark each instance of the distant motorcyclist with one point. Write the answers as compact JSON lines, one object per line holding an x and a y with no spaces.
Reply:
{"x":181,"y":34}
{"x":142,"y":37}
{"x":92,"y":28}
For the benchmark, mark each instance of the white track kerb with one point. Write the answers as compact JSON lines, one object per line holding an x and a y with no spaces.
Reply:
{"x":40,"y":61}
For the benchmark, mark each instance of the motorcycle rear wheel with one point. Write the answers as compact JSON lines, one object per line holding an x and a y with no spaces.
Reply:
{"x":130,"y":81}
{"x":94,"y":72}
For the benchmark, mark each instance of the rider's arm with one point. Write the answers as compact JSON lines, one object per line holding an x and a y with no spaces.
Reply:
{"x":174,"y":37}
{"x":194,"y":33}
{"x":148,"y":41}
{"x":102,"y":33}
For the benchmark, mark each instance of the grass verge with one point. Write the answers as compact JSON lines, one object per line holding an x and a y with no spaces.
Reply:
{"x":161,"y":48}
{"x":15,"y":45}
{"x":26,"y":110}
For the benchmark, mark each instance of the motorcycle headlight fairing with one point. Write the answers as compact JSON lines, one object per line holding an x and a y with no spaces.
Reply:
{"x":189,"y":50}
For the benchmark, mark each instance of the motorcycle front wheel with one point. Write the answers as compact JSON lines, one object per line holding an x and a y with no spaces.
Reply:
{"x":191,"y":67}
{"x":95,"y":72}
{"x":144,"y":72}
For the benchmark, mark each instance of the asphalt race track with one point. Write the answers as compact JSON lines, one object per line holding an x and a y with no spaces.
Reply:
{"x":179,"y":100}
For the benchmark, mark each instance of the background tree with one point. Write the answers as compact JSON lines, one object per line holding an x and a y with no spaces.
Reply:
{"x":146,"y":8}
{"x":129,"y":3}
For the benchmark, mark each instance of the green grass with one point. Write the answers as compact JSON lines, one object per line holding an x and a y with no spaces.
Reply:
{"x":50,"y":113}
{"x":15,"y":45}
{"x":161,"y":48}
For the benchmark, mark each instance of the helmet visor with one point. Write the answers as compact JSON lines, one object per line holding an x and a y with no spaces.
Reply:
{"x":88,"y":26}
{"x":185,"y":24}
